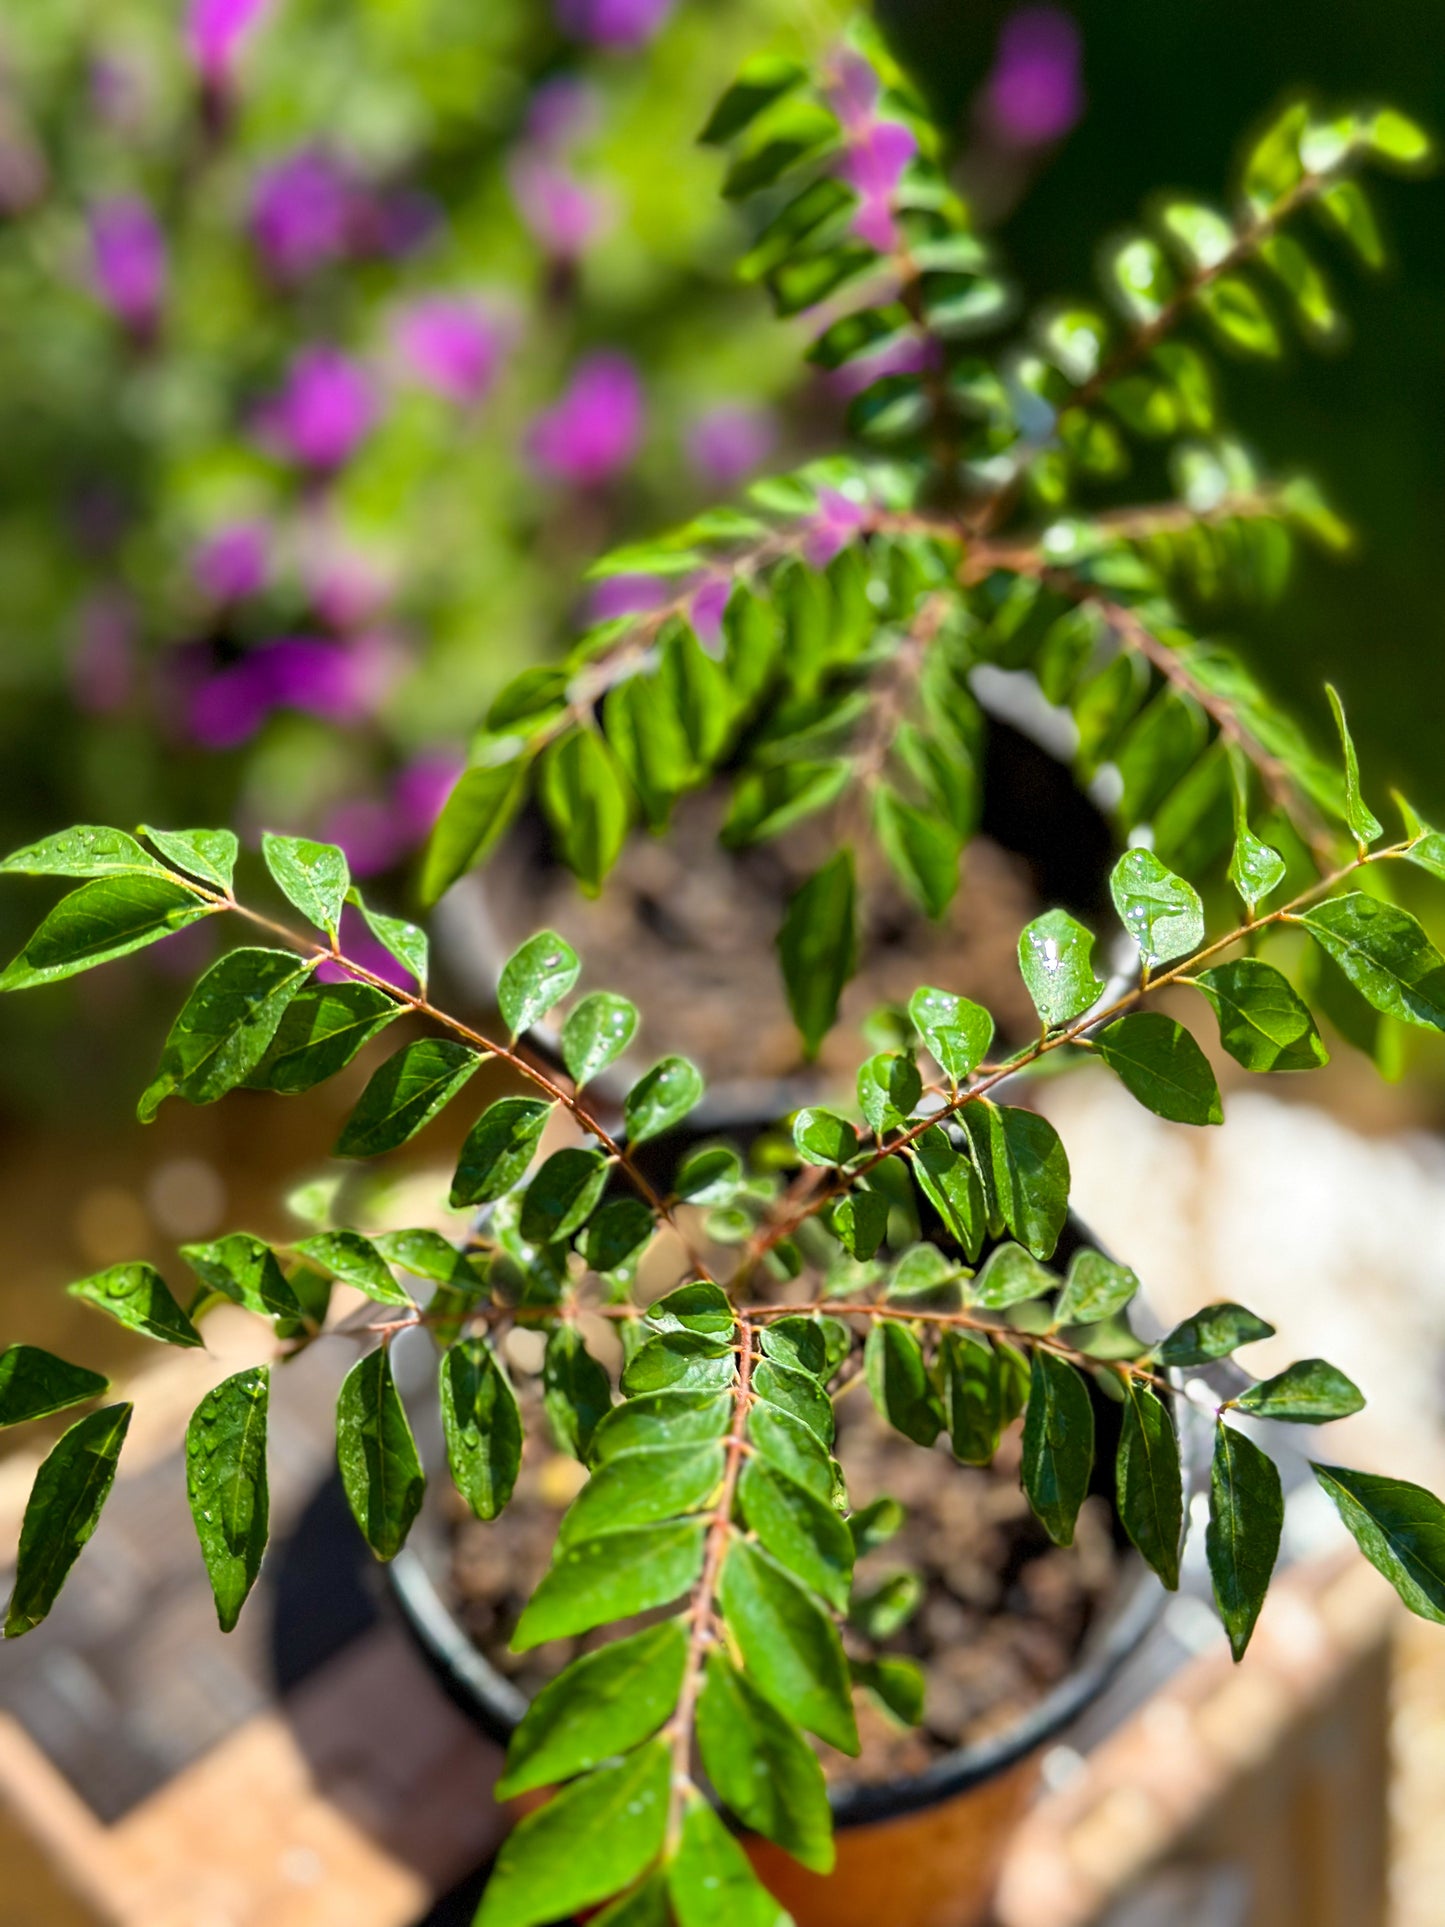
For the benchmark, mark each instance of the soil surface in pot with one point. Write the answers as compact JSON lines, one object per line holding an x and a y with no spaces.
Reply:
{"x":1004,"y":1614}
{"x":687,"y":929}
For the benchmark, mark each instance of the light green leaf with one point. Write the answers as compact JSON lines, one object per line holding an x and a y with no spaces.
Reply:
{"x":108,"y":918}
{"x":35,"y":1383}
{"x":498,"y":1149}
{"x":535,"y":977}
{"x":882,"y":1613}
{"x":404,"y":1094}
{"x":803,"y":1533}
{"x":1399,"y":1527}
{"x":1239,"y":316}
{"x":818,"y":947}
{"x":925,"y":1276}
{"x":563,"y":1195}
{"x":711,"y":1175}
{"x":762,"y":1768}
{"x":761,"y":80}
{"x":1364,"y":825}
{"x":586,"y":1844}
{"x":1393,"y":136}
{"x":1212,"y":1333}
{"x":138,"y":1297}
{"x":1346,"y":208}
{"x":576,"y":1392}
{"x":897,"y":1684}
{"x":661,"y":1098}
{"x":786,"y":1443}
{"x":643,"y":1489}
{"x":356,"y":1261}
{"x":1150,"y":1484}
{"x":660,"y":1419}
{"x":798,"y":1394}
{"x":790,"y":1648}
{"x":680,"y":1360}
{"x":800,"y":1342}
{"x":611,"y":1578}
{"x":227,"y":1486}
{"x":475,"y":817}
{"x":380,"y":1470}
{"x":89,"y":850}
{"x":1246,"y":1518}
{"x":1310,"y":1392}
{"x":771,"y":800}
{"x":876,"y":1524}
{"x":403,"y":940}
{"x":585,"y":799}
{"x":898,"y":1381}
{"x":226,"y":1026}
{"x":243,"y":1269}
{"x":321,"y":1030}
{"x":1385,"y":954}
{"x":482,"y":1425}
{"x":921,"y":848}
{"x":62,"y":1512}
{"x":1203,"y":234}
{"x":1055,"y":957}
{"x":1161,"y":912}
{"x":711,"y":1881}
{"x":1263,"y":1023}
{"x":312,"y":876}
{"x":1255,"y":869}
{"x":596,"y":1034}
{"x":1012,"y":1277}
{"x":957,"y":1032}
{"x":1058,"y":1445}
{"x":207,"y":854}
{"x":822,"y":1137}
{"x":1158,"y":1061}
{"x":605,"y":1703}
{"x":1095,"y":1288}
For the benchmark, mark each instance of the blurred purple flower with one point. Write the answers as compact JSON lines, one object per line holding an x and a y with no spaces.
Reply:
{"x":359,"y":944}
{"x":215,"y":30}
{"x":128,"y":252}
{"x":103,"y":663}
{"x":340,"y":682}
{"x":345,"y":588}
{"x":393,"y":222}
{"x":422,"y":786}
{"x":910,"y":355}
{"x":595,"y":428}
{"x":832,"y":526}
{"x":301,"y":212}
{"x":854,"y":90}
{"x":324,"y":412}
{"x":564,"y":215}
{"x":872,"y":166}
{"x":625,"y":595}
{"x":729,"y":442}
{"x":709,"y":603}
{"x":563,"y":111}
{"x":232,"y":562}
{"x":377,"y":832}
{"x":1035,"y":94}
{"x":612,"y":23}
{"x":121,"y":90}
{"x":451,"y":346}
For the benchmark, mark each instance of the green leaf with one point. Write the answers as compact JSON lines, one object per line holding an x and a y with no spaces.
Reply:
{"x":876,"y":1524}
{"x":482,"y":1425}
{"x":403,"y":940}
{"x":888,"y":1088}
{"x":1011,"y":1277}
{"x":1058,"y":1445}
{"x":1310,"y":1392}
{"x":799,"y":1342}
{"x":227,"y":1486}
{"x":62,"y":1512}
{"x":1393,"y":136}
{"x":604,"y":1704}
{"x":356,"y":1261}
{"x":617,"y":1232}
{"x":88,"y":850}
{"x":107,"y":918}
{"x":207,"y":854}
{"x":789,"y":1646}
{"x":312,"y":876}
{"x":898,"y":1381}
{"x":1255,"y":869}
{"x":771,"y":800}
{"x":801,"y":133}
{"x":426,"y":1254}
{"x":576,"y":1392}
{"x":563,"y":1195}
{"x":661,"y":1098}
{"x":1030,"y":1176}
{"x":822,"y":1137}
{"x":952,"y":1185}
{"x":1161,"y":912}
{"x":380,"y":1470}
{"x":475,"y":817}
{"x":859,"y":1220}
{"x":404,"y":1094}
{"x":35,"y":1383}
{"x":1309,"y":293}
{"x":1204,"y":235}
{"x":680,"y":1360}
{"x":1239,"y":316}
{"x":498,"y":1149}
{"x":244,"y":1269}
{"x":971,"y":1381}
{"x":1158,"y":1061}
{"x":611,"y":1578}
{"x":586,"y":1844}
{"x":1246,"y":1518}
{"x":1095,"y":1288}
{"x":711,"y":1175}
{"x":924,"y":1275}
{"x":922,"y":850}
{"x":643,"y":1489}
{"x":535,"y":977}
{"x":1263,"y":1023}
{"x":802,"y":1532}
{"x":1399,"y":1527}
{"x":658,"y":1420}
{"x":796,"y":1393}
{"x":887,"y":1609}
{"x":818,"y":947}
{"x":321,"y":1030}
{"x":1364,"y":825}
{"x":1055,"y":957}
{"x":226,"y":1026}
{"x":785,"y":1442}
{"x":762,"y":1768}
{"x":1150,"y":1484}
{"x":1345,"y":207}
{"x":1385,"y":954}
{"x":137,"y":1297}
{"x":957,"y":1032}
{"x":584,"y":796}
{"x":897,"y":1684}
{"x":644,"y":1906}
{"x":710,"y":1880}
{"x":1212,"y":1333}
{"x":761,"y":80}
{"x":596,"y":1034}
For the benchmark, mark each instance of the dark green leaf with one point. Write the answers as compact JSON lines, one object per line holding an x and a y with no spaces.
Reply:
{"x":1055,"y":956}
{"x":482,"y":1425}
{"x":534,"y":978}
{"x":604,"y":1704}
{"x":138,"y":1297}
{"x":617,"y":1234}
{"x":226,"y":1026}
{"x":312,"y":876}
{"x":796,"y":1393}
{"x":790,"y":1647}
{"x":101,"y":920}
{"x":1399,"y":1527}
{"x":710,"y":1176}
{"x":611,"y":1578}
{"x":898,"y":1381}
{"x":761,"y":80}
{"x":1246,"y":1518}
{"x":563,"y":1195}
{"x":661,"y":1098}
{"x":803,"y":134}
{"x":243,"y":1269}
{"x":404,"y":1095}
{"x":642,"y":1489}
{"x":586,"y":1844}
{"x":1385,"y":954}
{"x":34,"y":1383}
{"x":859,"y":1220}
{"x":1030,"y":1176}
{"x":957,"y":1032}
{"x":948,"y":1179}
{"x":818,"y":947}
{"x":1058,"y":1445}
{"x":710,"y":1880}
{"x":88,"y":850}
{"x":1011,"y":1277}
{"x":1212,"y":1333}
{"x":1095,"y":1288}
{"x":1310,"y":1392}
{"x":822,"y":1137}
{"x":680,"y":1360}
{"x":922,"y":849}
{"x":596,"y":1033}
{"x":888,"y":1088}
{"x":762,"y":1768}
{"x":698,"y":1307}
{"x":799,"y":1342}
{"x":1161,"y":912}
{"x":786,"y":1443}
{"x":1364,"y":825}
{"x":476,"y":815}
{"x":207,"y":854}
{"x":1158,"y":1061}
{"x":403,"y":940}
{"x":576,"y":1392}
{"x":661,"y":1419}
{"x":380,"y":1470}
{"x":62,"y":1512}
{"x":227,"y":1486}
{"x":498,"y":1149}
{"x":802,"y":1532}
{"x":321,"y":1030}
{"x":898,"y":1684}
{"x":971,"y":1375}
{"x":1151,"y":1492}
{"x":1263,"y":1023}
{"x":584,"y":796}
{"x":356,"y":1261}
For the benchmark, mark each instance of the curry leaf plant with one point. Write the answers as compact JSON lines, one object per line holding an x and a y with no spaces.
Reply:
{"x":909,"y":1242}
